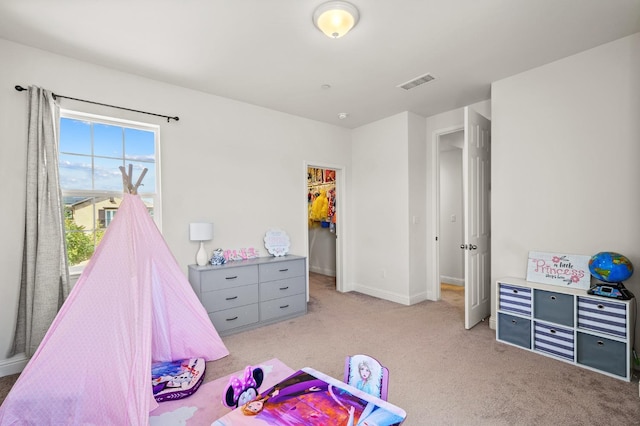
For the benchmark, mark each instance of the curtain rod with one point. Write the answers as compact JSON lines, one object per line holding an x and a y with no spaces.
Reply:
{"x":20,"y":89}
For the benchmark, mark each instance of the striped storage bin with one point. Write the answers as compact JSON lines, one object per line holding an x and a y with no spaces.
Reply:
{"x":554,"y":340}
{"x":605,"y":316}
{"x":515,"y":299}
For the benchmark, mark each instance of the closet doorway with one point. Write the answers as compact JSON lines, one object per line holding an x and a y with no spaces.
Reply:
{"x":324,"y":195}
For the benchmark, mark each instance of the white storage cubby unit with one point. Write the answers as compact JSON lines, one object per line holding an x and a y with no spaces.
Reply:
{"x":246,"y":294}
{"x":568,"y":324}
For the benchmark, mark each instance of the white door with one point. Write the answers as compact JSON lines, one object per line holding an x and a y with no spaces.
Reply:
{"x":476,"y":186}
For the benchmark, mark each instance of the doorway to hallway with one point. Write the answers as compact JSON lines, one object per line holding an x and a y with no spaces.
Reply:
{"x":475,"y":216}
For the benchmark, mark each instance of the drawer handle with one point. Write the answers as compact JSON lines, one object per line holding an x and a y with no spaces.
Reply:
{"x":514,"y":321}
{"x":284,"y":288}
{"x":284,"y":270}
{"x":600,"y":343}
{"x":552,"y":331}
{"x":284,"y":307}
{"x":231,"y":298}
{"x":515,"y":291}
{"x":600,"y":306}
{"x":552,"y":298}
{"x":231,"y":278}
{"x":232,"y":319}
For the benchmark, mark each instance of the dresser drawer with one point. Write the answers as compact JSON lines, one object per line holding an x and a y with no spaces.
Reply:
{"x":514,"y":330}
{"x":235,"y":317}
{"x":282,"y":288}
{"x":554,"y":307}
{"x":216,"y":279}
{"x":553,"y":340}
{"x":230,"y":297}
{"x":281,"y":307}
{"x":605,"y":316}
{"x":280,"y":270}
{"x":602,"y":354}
{"x":515,"y":299}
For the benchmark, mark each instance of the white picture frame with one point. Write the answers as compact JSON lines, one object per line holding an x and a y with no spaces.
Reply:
{"x":277,"y":242}
{"x":561,"y":269}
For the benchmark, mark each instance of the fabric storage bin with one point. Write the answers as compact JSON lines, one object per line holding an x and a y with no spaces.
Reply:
{"x":515,"y":299}
{"x":515,"y":330}
{"x":602,"y":354}
{"x":553,"y":340}
{"x":553,"y":307}
{"x":605,"y":316}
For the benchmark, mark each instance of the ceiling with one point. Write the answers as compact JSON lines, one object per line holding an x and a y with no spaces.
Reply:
{"x":269,"y":53}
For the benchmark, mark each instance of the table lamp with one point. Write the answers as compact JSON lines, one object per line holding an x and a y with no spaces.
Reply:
{"x":201,"y":232}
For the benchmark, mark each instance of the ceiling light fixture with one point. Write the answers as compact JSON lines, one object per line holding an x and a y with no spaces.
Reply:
{"x":336,"y":18}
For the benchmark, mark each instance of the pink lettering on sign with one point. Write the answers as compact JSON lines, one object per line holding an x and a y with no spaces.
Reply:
{"x":558,"y":270}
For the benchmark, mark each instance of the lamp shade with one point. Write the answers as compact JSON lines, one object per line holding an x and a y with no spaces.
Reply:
{"x":336,"y":18}
{"x":200,"y":231}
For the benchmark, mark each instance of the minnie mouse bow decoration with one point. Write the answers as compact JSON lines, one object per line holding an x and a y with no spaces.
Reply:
{"x":240,"y":391}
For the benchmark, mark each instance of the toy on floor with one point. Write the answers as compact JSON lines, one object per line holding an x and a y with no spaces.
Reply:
{"x":176,"y":379}
{"x":240,"y":391}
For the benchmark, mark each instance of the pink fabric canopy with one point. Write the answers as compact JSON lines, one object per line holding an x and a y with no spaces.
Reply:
{"x":131,"y":306}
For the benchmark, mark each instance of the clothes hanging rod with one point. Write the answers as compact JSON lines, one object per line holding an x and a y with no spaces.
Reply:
{"x":55,"y":96}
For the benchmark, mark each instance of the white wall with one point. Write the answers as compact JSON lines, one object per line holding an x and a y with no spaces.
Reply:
{"x":416,"y":220}
{"x":237,"y":165}
{"x":566,"y":148}
{"x":380,"y":208}
{"x":451,"y":216}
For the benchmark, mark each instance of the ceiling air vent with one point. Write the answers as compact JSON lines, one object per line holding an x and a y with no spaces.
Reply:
{"x":416,"y":82}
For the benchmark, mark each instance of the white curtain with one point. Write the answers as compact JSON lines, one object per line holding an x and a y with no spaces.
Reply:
{"x":45,"y":275}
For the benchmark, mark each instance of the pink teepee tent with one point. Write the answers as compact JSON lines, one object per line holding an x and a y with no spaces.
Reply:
{"x":131,"y":306}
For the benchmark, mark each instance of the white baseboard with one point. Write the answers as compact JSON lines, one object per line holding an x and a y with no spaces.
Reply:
{"x":323,"y":271}
{"x":492,"y":322}
{"x":451,"y":280}
{"x":382,"y":294}
{"x":13,"y":365}
{"x":417,"y":298}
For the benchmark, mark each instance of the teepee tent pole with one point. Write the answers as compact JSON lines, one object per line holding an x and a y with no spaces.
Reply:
{"x":139,"y":182}
{"x":127,"y":179}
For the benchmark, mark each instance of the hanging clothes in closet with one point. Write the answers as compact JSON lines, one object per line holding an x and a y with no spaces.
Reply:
{"x":321,"y":198}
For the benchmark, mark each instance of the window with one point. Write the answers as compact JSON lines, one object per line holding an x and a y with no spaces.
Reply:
{"x":92,"y":148}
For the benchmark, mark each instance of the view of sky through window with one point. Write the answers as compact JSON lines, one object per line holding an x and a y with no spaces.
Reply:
{"x":91,"y":154}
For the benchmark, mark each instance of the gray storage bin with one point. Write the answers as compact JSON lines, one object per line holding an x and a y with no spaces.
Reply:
{"x":515,"y":330}
{"x":602,"y":354}
{"x":553,"y":307}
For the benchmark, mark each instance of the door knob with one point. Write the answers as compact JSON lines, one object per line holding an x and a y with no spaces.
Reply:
{"x":463,"y":246}
{"x":472,"y":246}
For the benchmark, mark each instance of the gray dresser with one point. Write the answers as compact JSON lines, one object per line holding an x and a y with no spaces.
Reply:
{"x":246,"y":294}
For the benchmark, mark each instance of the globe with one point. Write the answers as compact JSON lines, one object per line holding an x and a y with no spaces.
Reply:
{"x":610,"y":267}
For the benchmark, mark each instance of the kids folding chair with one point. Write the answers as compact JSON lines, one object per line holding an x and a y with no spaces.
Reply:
{"x":367,"y":374}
